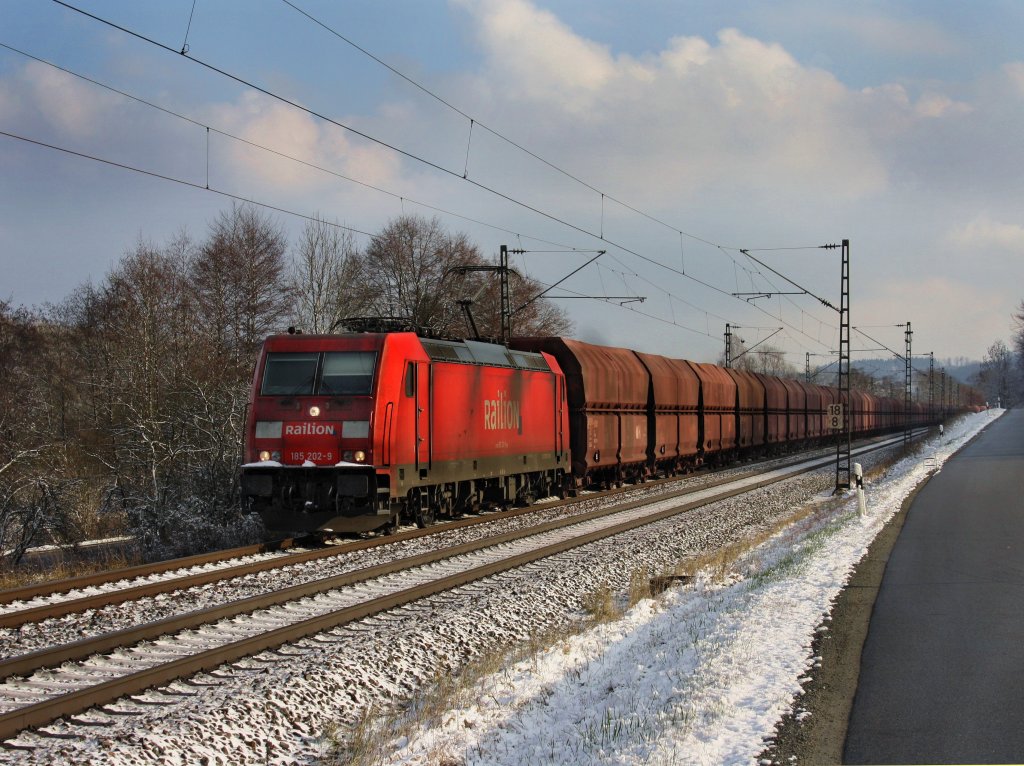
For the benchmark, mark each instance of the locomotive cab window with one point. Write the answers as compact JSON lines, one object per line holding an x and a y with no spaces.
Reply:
{"x":347,"y":372}
{"x":410,"y":379}
{"x":334,"y":373}
{"x":290,"y":374}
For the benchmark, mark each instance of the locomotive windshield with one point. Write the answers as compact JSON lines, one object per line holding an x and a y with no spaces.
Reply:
{"x":329,"y":374}
{"x":347,"y":372}
{"x":290,"y":374}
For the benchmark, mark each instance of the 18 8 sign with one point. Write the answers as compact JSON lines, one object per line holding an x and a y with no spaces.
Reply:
{"x":835,"y":416}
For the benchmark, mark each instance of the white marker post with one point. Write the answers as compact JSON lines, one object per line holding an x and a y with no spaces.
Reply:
{"x":858,"y":477}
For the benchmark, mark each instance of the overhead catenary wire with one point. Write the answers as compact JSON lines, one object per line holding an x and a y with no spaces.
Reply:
{"x":446,"y":103}
{"x":285,"y":211}
{"x":873,"y":340}
{"x":774,"y":289}
{"x":320,"y":116}
{"x":391,"y":147}
{"x":565,"y":248}
{"x":661,"y":289}
{"x":604,"y":195}
{"x":663,"y":320}
{"x":403,"y":199}
{"x":181,"y":181}
{"x":498,"y":134}
{"x":441,"y":168}
{"x":184,"y":44}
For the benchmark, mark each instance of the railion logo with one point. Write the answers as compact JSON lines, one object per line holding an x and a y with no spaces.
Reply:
{"x":502,"y":414}
{"x":310,"y":429}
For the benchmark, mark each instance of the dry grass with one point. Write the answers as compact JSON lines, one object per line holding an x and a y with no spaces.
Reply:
{"x":599,"y":605}
{"x":719,"y":563}
{"x":639,"y":587}
{"x":367,"y":742}
{"x":64,"y":566}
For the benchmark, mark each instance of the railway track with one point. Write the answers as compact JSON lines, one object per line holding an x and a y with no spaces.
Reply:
{"x":30,"y":604}
{"x":97,"y":671}
{"x":55,"y":599}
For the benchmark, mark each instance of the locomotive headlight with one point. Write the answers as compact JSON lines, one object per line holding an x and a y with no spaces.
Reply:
{"x":314,"y":411}
{"x":275,"y":455}
{"x":360,"y":456}
{"x":265,"y":455}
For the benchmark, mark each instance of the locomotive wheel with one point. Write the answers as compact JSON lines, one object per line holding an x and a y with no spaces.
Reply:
{"x":425,"y":516}
{"x":421,"y":507}
{"x":447,"y":507}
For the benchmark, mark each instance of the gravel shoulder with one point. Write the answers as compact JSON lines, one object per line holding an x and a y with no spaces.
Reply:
{"x":814,"y":731}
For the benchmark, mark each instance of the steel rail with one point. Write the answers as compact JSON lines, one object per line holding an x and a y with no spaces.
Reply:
{"x":78,"y":650}
{"x":96,"y":601}
{"x":29,"y":592}
{"x":21,"y":617}
{"x":58,"y":609}
{"x":41,"y":713}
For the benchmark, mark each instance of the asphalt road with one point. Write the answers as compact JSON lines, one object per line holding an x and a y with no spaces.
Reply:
{"x":942,"y":669}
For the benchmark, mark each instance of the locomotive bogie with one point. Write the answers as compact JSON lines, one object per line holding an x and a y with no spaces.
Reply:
{"x":321,"y":498}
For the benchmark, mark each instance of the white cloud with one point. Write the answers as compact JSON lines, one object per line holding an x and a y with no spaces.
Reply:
{"x":281,"y":128}
{"x":744,"y":138}
{"x":982,"y":313}
{"x":940,"y":105}
{"x":539,"y":58}
{"x":65,"y":102}
{"x":984,"y":233}
{"x":688,"y":116}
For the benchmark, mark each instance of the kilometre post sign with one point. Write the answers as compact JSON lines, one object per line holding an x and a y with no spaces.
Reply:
{"x":835,"y":416}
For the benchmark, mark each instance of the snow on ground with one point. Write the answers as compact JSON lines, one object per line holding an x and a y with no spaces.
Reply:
{"x":699,"y":676}
{"x":678,"y":680}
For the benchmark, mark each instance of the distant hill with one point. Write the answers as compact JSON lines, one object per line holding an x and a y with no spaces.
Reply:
{"x":960,"y":369}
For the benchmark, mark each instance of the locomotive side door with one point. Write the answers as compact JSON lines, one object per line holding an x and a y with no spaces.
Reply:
{"x":421,"y":374}
{"x":559,"y":406}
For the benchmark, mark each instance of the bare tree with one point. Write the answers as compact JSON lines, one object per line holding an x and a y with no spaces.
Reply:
{"x":770,"y":360}
{"x":140,"y":328}
{"x":1018,"y":347}
{"x":532,"y":315}
{"x":413,"y":270}
{"x":764,"y":359}
{"x":406,"y":270}
{"x":327,"y":278}
{"x":998,"y":375}
{"x":162,"y":402}
{"x":238,"y":277}
{"x":25,"y":440}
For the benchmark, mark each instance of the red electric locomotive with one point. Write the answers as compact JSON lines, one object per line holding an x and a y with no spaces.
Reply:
{"x":350,"y":433}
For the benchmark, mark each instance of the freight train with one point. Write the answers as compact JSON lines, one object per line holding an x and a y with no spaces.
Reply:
{"x":364,"y":431}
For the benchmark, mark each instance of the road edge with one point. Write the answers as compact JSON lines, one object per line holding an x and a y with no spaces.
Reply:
{"x":814,"y":730}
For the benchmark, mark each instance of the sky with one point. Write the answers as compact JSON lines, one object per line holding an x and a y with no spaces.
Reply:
{"x":669,"y":134}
